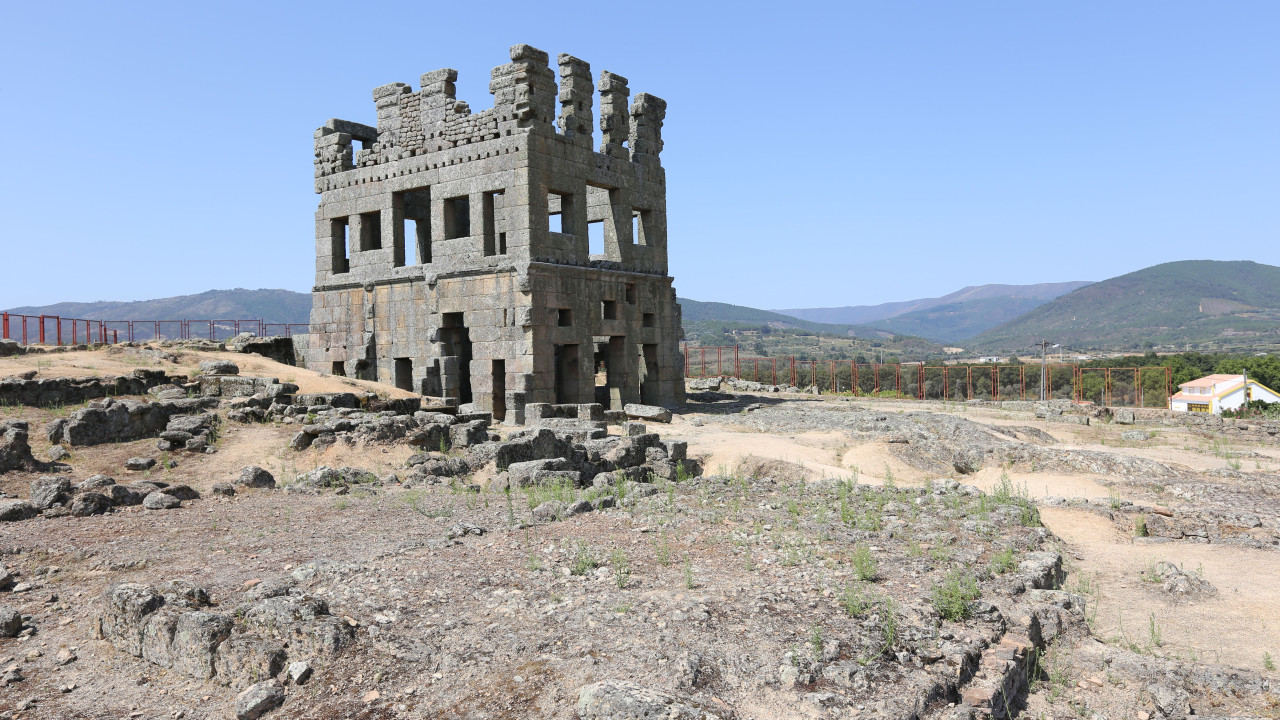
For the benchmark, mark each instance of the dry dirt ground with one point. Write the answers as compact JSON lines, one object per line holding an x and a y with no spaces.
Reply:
{"x":709,"y":590}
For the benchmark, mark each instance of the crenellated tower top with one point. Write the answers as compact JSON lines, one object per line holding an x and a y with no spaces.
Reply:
{"x":525,"y":92}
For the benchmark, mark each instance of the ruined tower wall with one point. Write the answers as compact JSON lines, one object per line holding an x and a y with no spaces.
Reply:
{"x":453,"y":247}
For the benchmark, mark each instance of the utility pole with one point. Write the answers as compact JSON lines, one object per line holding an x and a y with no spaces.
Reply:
{"x":1246,"y":391}
{"x":1044,"y":346}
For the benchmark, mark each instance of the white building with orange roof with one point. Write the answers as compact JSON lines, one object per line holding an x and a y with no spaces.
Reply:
{"x":1215,"y":393}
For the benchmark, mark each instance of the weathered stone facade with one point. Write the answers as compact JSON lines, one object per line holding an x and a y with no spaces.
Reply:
{"x":453,"y":254}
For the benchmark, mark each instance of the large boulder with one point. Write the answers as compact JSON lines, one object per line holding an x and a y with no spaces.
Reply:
{"x":15,"y":451}
{"x":11,"y":510}
{"x":258,"y":700}
{"x":219,"y":367}
{"x":255,"y":477}
{"x":90,"y":503}
{"x":648,"y":413}
{"x":160,"y":501}
{"x":10,"y":622}
{"x":126,"y":606}
{"x":48,"y":491}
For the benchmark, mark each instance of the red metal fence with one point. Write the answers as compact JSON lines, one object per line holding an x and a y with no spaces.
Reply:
{"x":55,"y":330}
{"x":1114,"y":387}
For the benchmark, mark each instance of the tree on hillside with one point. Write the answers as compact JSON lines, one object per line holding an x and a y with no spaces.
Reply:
{"x":1265,"y":370}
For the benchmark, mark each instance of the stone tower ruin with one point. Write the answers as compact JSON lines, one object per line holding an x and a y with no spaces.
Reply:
{"x":453,"y":249}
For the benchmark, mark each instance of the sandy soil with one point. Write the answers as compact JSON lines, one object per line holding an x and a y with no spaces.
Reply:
{"x":1235,"y":628}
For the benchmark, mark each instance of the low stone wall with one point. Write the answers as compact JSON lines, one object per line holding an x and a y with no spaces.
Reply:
{"x":51,"y":392}
{"x":113,"y":420}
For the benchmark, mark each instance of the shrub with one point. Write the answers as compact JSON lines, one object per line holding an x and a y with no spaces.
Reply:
{"x":952,"y":596}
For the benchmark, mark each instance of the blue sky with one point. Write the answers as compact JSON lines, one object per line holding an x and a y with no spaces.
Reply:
{"x":817,"y":155}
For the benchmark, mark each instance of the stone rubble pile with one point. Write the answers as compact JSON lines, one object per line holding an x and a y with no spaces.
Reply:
{"x":57,"y":496}
{"x":112,"y":420}
{"x":274,"y":635}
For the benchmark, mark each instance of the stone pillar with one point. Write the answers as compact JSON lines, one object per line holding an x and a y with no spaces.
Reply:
{"x":647,"y":114}
{"x":575,"y":100}
{"x":387,"y":99}
{"x":614,"y":126}
{"x":438,"y":98}
{"x":526,"y":85}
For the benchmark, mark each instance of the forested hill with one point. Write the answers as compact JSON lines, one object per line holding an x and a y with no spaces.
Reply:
{"x":275,"y":306}
{"x":1179,"y":305}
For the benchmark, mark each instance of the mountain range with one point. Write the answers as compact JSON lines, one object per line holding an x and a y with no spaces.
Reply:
{"x":1219,"y":304}
{"x":951,"y":318}
{"x":1191,"y":304}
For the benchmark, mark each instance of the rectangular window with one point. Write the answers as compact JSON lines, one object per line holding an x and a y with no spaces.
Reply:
{"x":648,"y":320}
{"x":457,"y":217}
{"x":595,"y":237}
{"x":371,"y":231}
{"x":413,"y":237}
{"x":609,"y":310}
{"x":560,"y":213}
{"x":564,"y":317}
{"x":635,"y":228}
{"x":492,"y":201}
{"x":339,"y":368}
{"x":338,"y":244}
{"x":631,"y":293}
{"x":502,"y":243}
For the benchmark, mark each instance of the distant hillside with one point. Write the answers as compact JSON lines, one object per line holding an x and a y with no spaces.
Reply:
{"x":1201,"y":303}
{"x":276,"y":306}
{"x":1015,"y":294}
{"x":772,"y":334}
{"x":957,"y":322}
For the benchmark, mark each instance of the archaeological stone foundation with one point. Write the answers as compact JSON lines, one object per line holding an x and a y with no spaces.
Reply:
{"x":454,"y":249}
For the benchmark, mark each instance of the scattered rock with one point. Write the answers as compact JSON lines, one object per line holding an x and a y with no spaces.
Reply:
{"x":90,"y":503}
{"x":219,"y":367}
{"x":300,"y":672}
{"x":160,"y":501}
{"x":650,"y":413}
{"x":10,"y":622}
{"x":224,"y":489}
{"x":58,"y":453}
{"x":49,"y":491}
{"x":258,"y":700}
{"x":1176,"y":582}
{"x":255,"y":477}
{"x":138,"y":464}
{"x":11,"y":510}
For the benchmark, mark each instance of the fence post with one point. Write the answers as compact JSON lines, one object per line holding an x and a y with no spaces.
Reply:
{"x":5,"y":328}
{"x":41,"y":329}
{"x":775,"y":370}
{"x":737,"y":364}
{"x":74,"y":335}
